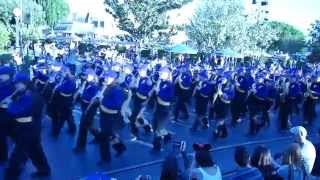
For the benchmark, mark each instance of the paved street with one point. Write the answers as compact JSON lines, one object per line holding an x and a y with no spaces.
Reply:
{"x":139,"y":159}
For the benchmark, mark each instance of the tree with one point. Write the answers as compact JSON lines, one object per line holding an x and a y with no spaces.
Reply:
{"x":4,"y":36}
{"x":29,"y":9}
{"x":220,"y":24}
{"x":314,"y":42}
{"x":32,"y":17}
{"x":55,"y":10}
{"x":144,"y":21}
{"x":290,"y":40}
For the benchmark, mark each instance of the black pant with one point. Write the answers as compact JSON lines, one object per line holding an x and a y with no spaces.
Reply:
{"x":4,"y":132}
{"x":238,"y":106}
{"x":283,"y":117}
{"x":160,"y":117}
{"x":86,"y":121}
{"x":309,"y":110}
{"x":201,"y":111}
{"x":29,"y":148}
{"x":136,"y":108}
{"x":62,"y":113}
{"x":180,"y":106}
{"x":107,"y":122}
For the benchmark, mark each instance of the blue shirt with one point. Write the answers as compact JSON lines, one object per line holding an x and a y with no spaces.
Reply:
{"x":68,"y":86}
{"x":89,"y":92}
{"x":6,"y":89}
{"x":22,"y":107}
{"x":114,"y":98}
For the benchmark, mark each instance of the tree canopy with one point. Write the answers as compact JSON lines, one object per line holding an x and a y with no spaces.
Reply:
{"x":4,"y":36}
{"x":290,"y":40}
{"x":29,"y":8}
{"x":314,"y":42}
{"x":145,"y":21}
{"x":32,"y":17}
{"x":55,"y":10}
{"x":220,"y":24}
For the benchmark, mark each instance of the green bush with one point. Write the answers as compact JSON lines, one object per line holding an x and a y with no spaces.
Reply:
{"x":4,"y":36}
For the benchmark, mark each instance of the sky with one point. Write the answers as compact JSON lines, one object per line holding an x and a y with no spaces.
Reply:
{"x":299,"y":13}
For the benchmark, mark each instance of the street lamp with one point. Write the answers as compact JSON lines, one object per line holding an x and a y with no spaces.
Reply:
{"x":17,"y":14}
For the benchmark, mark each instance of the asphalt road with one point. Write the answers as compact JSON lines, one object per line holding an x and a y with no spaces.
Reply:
{"x":139,"y":159}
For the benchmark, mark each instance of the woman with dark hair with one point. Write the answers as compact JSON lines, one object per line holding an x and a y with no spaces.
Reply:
{"x":262,"y":160}
{"x":169,"y":168}
{"x":244,"y":171}
{"x":205,"y":169}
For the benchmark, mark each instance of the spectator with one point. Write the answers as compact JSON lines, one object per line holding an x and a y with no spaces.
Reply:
{"x":170,"y":168}
{"x":205,"y":169}
{"x":245,"y":171}
{"x":308,"y":151}
{"x":292,"y":168}
{"x":263,"y":161}
{"x":256,"y":156}
{"x":316,"y":167}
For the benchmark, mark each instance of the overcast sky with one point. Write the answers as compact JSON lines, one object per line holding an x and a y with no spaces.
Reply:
{"x":300,"y":13}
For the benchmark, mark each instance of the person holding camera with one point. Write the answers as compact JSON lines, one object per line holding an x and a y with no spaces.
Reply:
{"x":170,"y":168}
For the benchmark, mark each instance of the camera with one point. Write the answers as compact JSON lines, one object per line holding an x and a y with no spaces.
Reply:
{"x":180,"y":145}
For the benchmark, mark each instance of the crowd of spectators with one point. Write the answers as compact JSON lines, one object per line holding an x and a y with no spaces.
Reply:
{"x":300,"y":161}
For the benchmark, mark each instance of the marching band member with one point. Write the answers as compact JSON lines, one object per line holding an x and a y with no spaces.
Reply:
{"x":202,"y":93}
{"x":41,"y":77}
{"x":269,"y":100}
{"x":164,"y":96}
{"x":256,"y":102}
{"x":62,"y":99}
{"x":88,"y":90}
{"x":221,"y":102}
{"x":113,"y":97}
{"x":294,"y":95}
{"x":311,"y":97}
{"x":26,"y":111}
{"x":283,"y":104}
{"x":6,"y":91}
{"x":238,"y":105}
{"x":183,"y":90}
{"x":142,"y":94}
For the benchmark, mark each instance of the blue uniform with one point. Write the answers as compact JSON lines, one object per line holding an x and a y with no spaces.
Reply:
{"x":87,"y":116}
{"x":26,"y":111}
{"x":110,"y":116}
{"x":164,"y":98}
{"x":6,"y":89}
{"x":309,"y":105}
{"x":183,"y":92}
{"x":202,"y":97}
{"x":62,"y":106}
{"x":140,"y":97}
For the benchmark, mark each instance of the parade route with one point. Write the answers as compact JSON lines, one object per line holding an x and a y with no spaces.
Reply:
{"x":139,"y":157}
